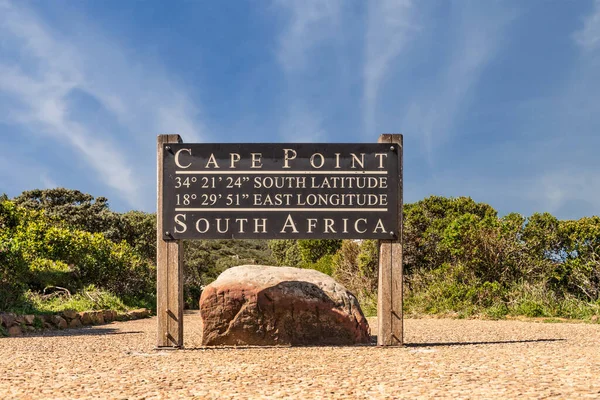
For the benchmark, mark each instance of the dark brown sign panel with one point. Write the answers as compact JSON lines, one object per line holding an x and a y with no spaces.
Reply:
{"x":280,"y":191}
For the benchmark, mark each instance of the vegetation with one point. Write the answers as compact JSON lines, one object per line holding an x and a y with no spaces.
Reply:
{"x":63,"y":248}
{"x":39,"y":252}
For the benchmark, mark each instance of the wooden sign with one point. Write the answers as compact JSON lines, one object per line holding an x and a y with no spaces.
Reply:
{"x":280,"y":191}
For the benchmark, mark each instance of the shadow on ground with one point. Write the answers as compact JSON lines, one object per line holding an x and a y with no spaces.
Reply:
{"x":480,"y":343}
{"x":91,"y":331}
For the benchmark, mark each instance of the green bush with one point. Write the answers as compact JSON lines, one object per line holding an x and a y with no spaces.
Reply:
{"x":35,"y":252}
{"x":323,"y":264}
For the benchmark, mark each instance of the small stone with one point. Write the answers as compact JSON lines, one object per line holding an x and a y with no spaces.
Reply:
{"x":85,"y":318}
{"x":97,"y":317}
{"x":69,"y":314}
{"x":594,"y":318}
{"x":122,"y":317}
{"x":7,"y":319}
{"x":109,"y":315}
{"x":29,"y":319}
{"x":15,"y":331}
{"x":59,"y":322}
{"x":75,"y":323}
{"x":139,"y":313}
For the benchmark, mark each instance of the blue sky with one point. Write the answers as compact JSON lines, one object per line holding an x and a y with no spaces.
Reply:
{"x":497,"y":100}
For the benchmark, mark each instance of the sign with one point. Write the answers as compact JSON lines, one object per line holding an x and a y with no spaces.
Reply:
{"x":280,"y":191}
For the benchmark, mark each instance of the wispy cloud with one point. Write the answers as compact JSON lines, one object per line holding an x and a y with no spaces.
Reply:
{"x":43,"y":69}
{"x":47,"y":182}
{"x":570,"y":182}
{"x":390,"y":26}
{"x":302,"y":125}
{"x":310,"y":24}
{"x":589,"y":35}
{"x":474,"y":44}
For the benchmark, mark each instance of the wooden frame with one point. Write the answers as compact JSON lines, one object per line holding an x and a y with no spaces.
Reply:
{"x":169,"y":268}
{"x":390,"y":322}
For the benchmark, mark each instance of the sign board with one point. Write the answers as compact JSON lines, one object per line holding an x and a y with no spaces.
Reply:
{"x":280,"y":191}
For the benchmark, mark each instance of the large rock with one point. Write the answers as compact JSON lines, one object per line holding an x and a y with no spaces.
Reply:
{"x":261,"y":305}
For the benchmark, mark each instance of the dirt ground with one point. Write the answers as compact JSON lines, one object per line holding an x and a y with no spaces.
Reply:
{"x":442,"y":358}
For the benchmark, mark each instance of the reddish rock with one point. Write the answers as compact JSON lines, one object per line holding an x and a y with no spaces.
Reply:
{"x":85,"y":318}
{"x":110,"y":315}
{"x":261,"y":305}
{"x":69,"y":314}
{"x":75,"y":323}
{"x":97,"y":317}
{"x":7,"y":319}
{"x":139,"y":313}
{"x":29,"y":319}
{"x":15,"y":331}
{"x":59,"y":322}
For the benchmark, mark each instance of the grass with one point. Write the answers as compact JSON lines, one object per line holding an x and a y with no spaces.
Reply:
{"x":447,"y":295}
{"x":88,"y":299}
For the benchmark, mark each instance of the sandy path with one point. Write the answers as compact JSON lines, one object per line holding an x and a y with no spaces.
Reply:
{"x":453,"y":358}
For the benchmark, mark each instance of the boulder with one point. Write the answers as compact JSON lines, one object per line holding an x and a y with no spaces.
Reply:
{"x":69,"y":314}
{"x":15,"y":330}
{"x":97,"y":317}
{"x":109,"y":315}
{"x":139,"y":313}
{"x":29,"y":319}
{"x":59,"y":322}
{"x":85,"y":318}
{"x":75,"y":323}
{"x":7,"y":319}
{"x":263,"y":305}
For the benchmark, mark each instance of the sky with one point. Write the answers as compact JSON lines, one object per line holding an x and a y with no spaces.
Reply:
{"x":497,"y":100}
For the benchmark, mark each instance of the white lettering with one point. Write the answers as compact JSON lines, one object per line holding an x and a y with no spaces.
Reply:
{"x":212,"y":160}
{"x":360,"y":162}
{"x":198,"y":225}
{"x":260,"y":226}
{"x":289,"y":223}
{"x":379,"y":226}
{"x":234,"y":158}
{"x":312,"y":223}
{"x":312,"y":160}
{"x":189,"y":151}
{"x":178,"y":221}
{"x":329,"y":225}
{"x":356,"y":225}
{"x":380,"y":156}
{"x":256,"y":160}
{"x":286,"y":157}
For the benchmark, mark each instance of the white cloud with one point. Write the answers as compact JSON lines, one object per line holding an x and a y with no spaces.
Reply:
{"x":311,"y":24}
{"x":557,"y":188}
{"x":390,"y":26}
{"x":433,"y":113}
{"x":589,"y":35}
{"x":302,"y":126}
{"x":47,"y":182}
{"x":46,"y":68}
{"x":311,"y":21}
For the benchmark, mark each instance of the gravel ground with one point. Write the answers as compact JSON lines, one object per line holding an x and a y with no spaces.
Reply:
{"x":442,"y":358}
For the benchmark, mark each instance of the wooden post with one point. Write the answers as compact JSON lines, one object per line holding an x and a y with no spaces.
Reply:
{"x":389,"y":294}
{"x":169,"y":269}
